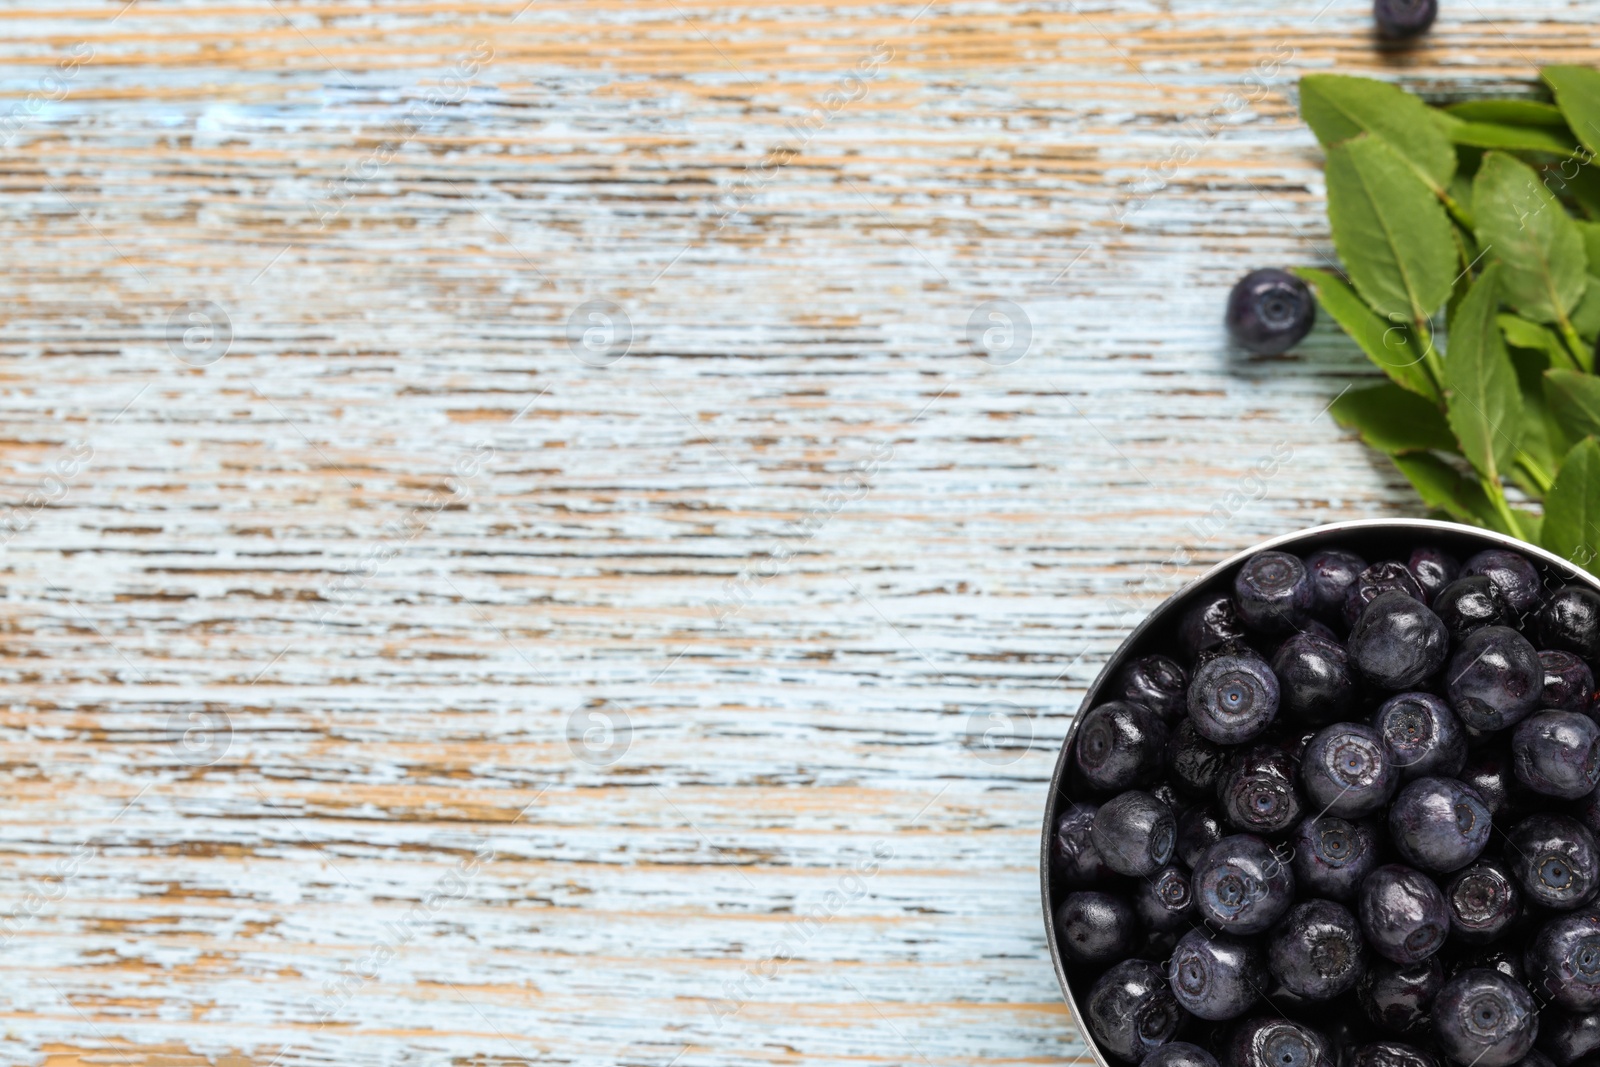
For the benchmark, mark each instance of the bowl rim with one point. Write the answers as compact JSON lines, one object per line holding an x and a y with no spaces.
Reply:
{"x":1162,"y":612}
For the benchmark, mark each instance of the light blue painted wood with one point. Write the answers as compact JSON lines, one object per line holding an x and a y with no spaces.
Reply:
{"x":313,"y":647}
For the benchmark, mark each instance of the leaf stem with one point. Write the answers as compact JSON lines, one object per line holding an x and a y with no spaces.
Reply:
{"x":1461,"y":254}
{"x":1541,"y":478}
{"x":1582,"y":357}
{"x":1497,"y":496}
{"x":1430,"y":357}
{"x":1459,"y":213}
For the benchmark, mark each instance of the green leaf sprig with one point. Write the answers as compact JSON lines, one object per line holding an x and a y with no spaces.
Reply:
{"x":1470,"y":242}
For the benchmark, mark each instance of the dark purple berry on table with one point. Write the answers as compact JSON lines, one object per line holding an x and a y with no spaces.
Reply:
{"x":1209,"y":1035}
{"x":1319,"y":629}
{"x":1397,"y":642}
{"x":1398,"y":996}
{"x":1494,"y":679}
{"x":1179,"y":1054}
{"x":1134,"y":833}
{"x":1278,"y":1042}
{"x":1568,"y":681}
{"x":1333,"y":571}
{"x":1257,"y":791}
{"x":1074,"y":858}
{"x":1569,"y":1037}
{"x":1488,"y":770}
{"x":1095,"y":927}
{"x":1164,"y":901}
{"x":1168,"y":795}
{"x":1278,"y":998}
{"x":1345,"y":771}
{"x":1342,"y":1022}
{"x":1210,"y":623}
{"x":1241,"y":885}
{"x":1273,"y":593}
{"x":1294,"y":739}
{"x":1517,"y":578}
{"x":1484,"y":901}
{"x":1496,"y":956}
{"x":1316,"y":682}
{"x":1439,"y":824}
{"x":1233,"y":698}
{"x":1587,"y":811}
{"x":1131,"y":1011}
{"x":1433,"y":568}
{"x":1269,"y":312}
{"x":1393,"y":1054}
{"x":1563,"y":961}
{"x":1421,"y":736}
{"x":1317,"y":952}
{"x":1557,"y":753}
{"x":1331,"y":856}
{"x":1235,"y":647}
{"x":1155,"y":945}
{"x":1194,"y":763}
{"x":1554,"y":860}
{"x":1400,"y":20}
{"x":1120,"y":745}
{"x":1216,"y":976}
{"x":1403,"y":914}
{"x":1198,"y":830}
{"x":1471,"y":603}
{"x":1482,"y":1017}
{"x":1158,"y":683}
{"x":1390,"y":576}
{"x":1570,"y":621}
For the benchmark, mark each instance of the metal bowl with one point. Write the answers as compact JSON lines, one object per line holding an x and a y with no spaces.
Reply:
{"x":1374,"y":539}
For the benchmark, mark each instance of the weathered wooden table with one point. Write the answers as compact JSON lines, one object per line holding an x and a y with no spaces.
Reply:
{"x":548,"y":532}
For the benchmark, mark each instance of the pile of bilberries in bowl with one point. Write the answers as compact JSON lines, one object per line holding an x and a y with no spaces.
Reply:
{"x":1335,"y":805}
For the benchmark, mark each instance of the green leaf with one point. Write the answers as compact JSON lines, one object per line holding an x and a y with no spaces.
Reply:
{"x":1577,"y":92}
{"x":1590,"y":232}
{"x":1513,"y":138}
{"x":1509,"y":112}
{"x":1442,"y":486}
{"x":1393,"y":348}
{"x":1583,"y":187}
{"x":1525,"y":225}
{"x":1445,"y":122}
{"x":1339,"y":107}
{"x":1586,"y":316}
{"x":1520,"y":333}
{"x":1542,"y":442}
{"x":1531,"y":525}
{"x":1572,"y":507}
{"x":1485,"y":401}
{"x":1466,"y":252}
{"x":1392,"y":234}
{"x":1392,"y":419}
{"x":1574,"y":399}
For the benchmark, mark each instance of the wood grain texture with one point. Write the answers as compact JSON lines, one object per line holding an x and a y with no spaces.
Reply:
{"x":302,"y":644}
